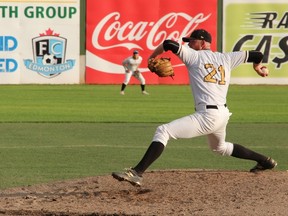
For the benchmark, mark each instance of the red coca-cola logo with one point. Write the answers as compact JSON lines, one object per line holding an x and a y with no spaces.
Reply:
{"x":113,"y":31}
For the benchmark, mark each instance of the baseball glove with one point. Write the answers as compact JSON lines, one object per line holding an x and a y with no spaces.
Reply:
{"x":161,"y":66}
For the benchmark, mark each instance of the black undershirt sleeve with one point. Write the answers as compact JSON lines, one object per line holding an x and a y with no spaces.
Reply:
{"x":171,"y":45}
{"x":255,"y":57}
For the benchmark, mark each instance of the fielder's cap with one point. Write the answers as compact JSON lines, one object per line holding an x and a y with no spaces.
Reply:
{"x":199,"y":34}
{"x":135,"y":52}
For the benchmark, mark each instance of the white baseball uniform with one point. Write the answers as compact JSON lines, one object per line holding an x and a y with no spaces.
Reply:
{"x":131,"y":67}
{"x":209,"y":75}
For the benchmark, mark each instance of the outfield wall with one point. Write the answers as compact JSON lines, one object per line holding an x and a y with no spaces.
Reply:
{"x":90,"y":38}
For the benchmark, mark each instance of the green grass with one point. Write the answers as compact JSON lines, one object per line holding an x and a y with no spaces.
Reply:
{"x":102,"y":103}
{"x":56,"y":132}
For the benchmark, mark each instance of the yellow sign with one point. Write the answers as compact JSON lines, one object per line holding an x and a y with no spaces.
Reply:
{"x":258,"y":26}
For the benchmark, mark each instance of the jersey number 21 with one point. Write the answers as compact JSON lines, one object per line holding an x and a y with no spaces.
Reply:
{"x":210,"y":77}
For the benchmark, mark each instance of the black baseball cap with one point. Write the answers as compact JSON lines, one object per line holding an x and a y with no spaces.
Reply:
{"x":199,"y":34}
{"x":135,"y":52}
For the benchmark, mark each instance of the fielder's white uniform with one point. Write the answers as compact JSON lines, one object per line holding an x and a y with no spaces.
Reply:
{"x":131,"y":69}
{"x":209,"y":74}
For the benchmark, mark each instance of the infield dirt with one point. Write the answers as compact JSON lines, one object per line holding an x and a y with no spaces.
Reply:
{"x":170,"y":192}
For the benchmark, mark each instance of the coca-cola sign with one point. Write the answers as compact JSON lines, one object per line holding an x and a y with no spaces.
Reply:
{"x":113,"y":33}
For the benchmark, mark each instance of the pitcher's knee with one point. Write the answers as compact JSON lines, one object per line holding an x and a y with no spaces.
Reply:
{"x":224,"y":149}
{"x":161,"y":135}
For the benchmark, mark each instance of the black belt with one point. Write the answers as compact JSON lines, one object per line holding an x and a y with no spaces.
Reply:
{"x":213,"y":106}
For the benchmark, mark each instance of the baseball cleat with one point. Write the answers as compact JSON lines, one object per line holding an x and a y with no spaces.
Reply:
{"x":145,"y":93}
{"x":129,"y":175}
{"x":122,"y":93}
{"x":268,"y":164}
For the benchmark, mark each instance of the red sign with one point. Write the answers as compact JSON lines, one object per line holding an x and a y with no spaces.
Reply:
{"x":115,"y":29}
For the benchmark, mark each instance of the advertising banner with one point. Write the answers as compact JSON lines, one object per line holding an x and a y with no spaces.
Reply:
{"x":39,"y":42}
{"x":262,"y":26}
{"x":116,"y":28}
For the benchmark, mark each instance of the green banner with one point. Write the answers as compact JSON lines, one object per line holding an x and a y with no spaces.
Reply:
{"x":258,"y":26}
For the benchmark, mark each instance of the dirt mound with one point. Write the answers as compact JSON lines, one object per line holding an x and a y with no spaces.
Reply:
{"x":174,"y":192}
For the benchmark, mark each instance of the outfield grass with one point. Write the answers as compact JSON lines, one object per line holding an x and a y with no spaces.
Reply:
{"x":55,"y":132}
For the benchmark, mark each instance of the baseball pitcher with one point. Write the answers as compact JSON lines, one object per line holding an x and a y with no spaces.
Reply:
{"x":209,"y":75}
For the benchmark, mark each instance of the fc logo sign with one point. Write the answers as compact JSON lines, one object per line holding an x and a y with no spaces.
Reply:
{"x":49,"y":53}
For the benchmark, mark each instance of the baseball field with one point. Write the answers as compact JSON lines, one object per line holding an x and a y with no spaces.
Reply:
{"x":60,"y":143}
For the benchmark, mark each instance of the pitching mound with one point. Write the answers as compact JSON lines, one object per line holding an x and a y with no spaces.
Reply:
{"x":174,"y":192}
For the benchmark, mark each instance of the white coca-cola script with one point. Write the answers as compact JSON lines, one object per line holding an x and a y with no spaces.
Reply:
{"x":130,"y":33}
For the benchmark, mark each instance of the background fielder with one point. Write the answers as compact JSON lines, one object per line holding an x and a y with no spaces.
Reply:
{"x":131,"y":65}
{"x":209,"y":76}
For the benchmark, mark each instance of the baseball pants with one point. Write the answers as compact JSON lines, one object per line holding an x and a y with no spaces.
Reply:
{"x":210,"y":122}
{"x":137,"y":75}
